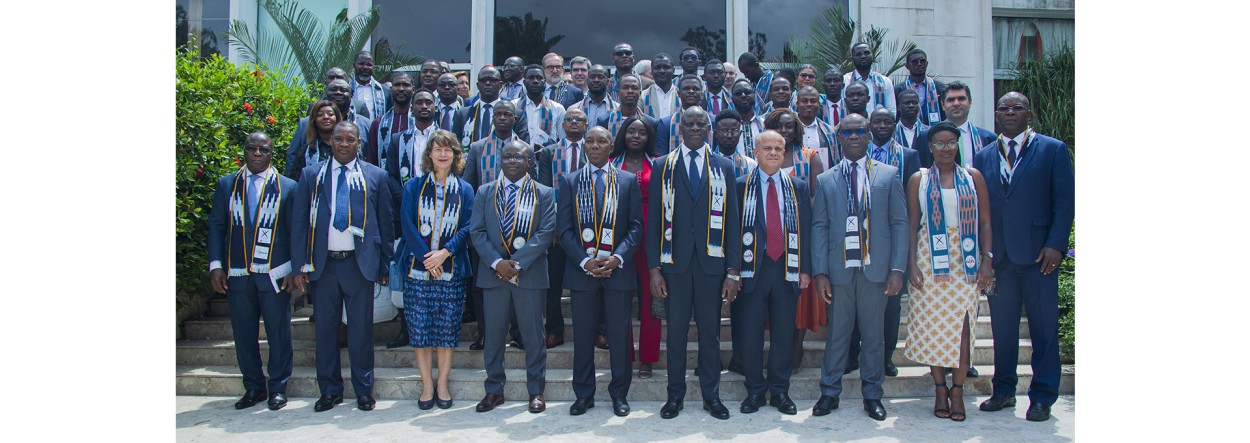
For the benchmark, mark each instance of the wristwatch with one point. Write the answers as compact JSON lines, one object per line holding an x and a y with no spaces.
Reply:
{"x":733,"y":277}
{"x":989,"y":254}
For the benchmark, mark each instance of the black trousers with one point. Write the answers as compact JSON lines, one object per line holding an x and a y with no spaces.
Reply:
{"x":586,"y":308}
{"x":342,"y":287}
{"x":773,"y":299}
{"x":248,"y":305}
{"x":694,"y":294}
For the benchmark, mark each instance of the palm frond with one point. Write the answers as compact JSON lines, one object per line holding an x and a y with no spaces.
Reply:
{"x":303,"y":34}
{"x":256,"y":50}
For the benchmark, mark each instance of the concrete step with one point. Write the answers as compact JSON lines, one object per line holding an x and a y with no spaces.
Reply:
{"x":218,"y":328}
{"x":467,"y":387}
{"x":222,"y":353}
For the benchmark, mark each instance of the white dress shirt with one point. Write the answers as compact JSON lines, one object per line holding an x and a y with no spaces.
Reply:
{"x":338,"y":240}
{"x":685,"y":157}
{"x":663,"y":103}
{"x":764,"y":191}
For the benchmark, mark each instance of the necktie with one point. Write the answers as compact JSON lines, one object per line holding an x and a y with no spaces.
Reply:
{"x":484,"y":122}
{"x":509,"y":214}
{"x":775,"y":244}
{"x":692,"y":173}
{"x":855,"y":186}
{"x":551,"y":92}
{"x":599,"y":189}
{"x":341,"y":200}
{"x":836,"y":116}
{"x":447,"y":115}
{"x":878,"y":154}
{"x":716,"y":104}
{"x":252,"y":193}
{"x":1011,"y":153}
{"x":573,"y":159}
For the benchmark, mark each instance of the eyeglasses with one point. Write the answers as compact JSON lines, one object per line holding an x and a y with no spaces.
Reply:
{"x":553,"y":67}
{"x":624,"y":53}
{"x":806,"y":75}
{"x":849,"y":132}
{"x":262,"y":151}
{"x":1016,"y":108}
{"x":945,"y":146}
{"x":579,"y":70}
{"x":743,"y":92}
{"x":575,"y":119}
{"x":729,"y":131}
{"x":690,"y":57}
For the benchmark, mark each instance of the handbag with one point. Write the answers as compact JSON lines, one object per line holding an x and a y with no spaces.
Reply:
{"x":659,"y":308}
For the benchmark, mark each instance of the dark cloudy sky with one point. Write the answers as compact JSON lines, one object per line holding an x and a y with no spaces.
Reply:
{"x":440,"y":29}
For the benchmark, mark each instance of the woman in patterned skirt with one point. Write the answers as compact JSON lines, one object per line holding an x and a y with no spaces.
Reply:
{"x":435,"y":216}
{"x":633,"y":150}
{"x":805,"y":164}
{"x":950,"y":239}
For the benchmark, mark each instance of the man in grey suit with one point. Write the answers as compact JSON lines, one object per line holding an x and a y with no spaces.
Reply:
{"x":341,"y":249}
{"x":600,"y":229}
{"x":859,"y":230}
{"x":513,"y":224}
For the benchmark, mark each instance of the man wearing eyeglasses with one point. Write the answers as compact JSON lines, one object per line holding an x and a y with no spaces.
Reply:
{"x":928,"y":91}
{"x":859,"y":229}
{"x":579,"y":68}
{"x":254,"y":281}
{"x":556,"y":89}
{"x":957,"y":102}
{"x":689,"y":60}
{"x":376,"y":96}
{"x":743,"y":96}
{"x":513,"y":77}
{"x":623,"y":59}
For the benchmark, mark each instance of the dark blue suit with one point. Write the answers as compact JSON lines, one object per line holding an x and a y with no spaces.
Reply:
{"x":295,"y":161}
{"x":253,"y":297}
{"x":566,"y":95}
{"x":344,"y":284}
{"x":1033,"y":212}
{"x":921,"y":146}
{"x":768,"y":296}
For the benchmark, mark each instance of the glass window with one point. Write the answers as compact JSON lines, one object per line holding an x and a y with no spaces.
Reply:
{"x":772,"y":23}
{"x":1017,"y":39}
{"x":433,"y":29}
{"x":207,"y":22}
{"x":532,"y":28}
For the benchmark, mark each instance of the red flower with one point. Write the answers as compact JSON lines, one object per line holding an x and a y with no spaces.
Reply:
{"x":271,"y":120}
{"x":277,"y":100}
{"x":199,"y":171}
{"x":258,"y":74}
{"x":247,"y":107}
{"x":238,"y":162}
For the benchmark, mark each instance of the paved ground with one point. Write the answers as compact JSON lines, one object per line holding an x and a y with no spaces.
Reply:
{"x":215,"y":419}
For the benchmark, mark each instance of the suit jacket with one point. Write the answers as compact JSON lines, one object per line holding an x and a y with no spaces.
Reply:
{"x":488,"y":240}
{"x":465,"y":116}
{"x":804,"y":202}
{"x":911,"y":162}
{"x":887,"y":225}
{"x":1036,"y":210}
{"x":219,"y":229}
{"x":924,"y":117}
{"x":567,"y":95}
{"x":373,"y":252}
{"x":544,"y":166}
{"x":690,"y":220}
{"x":295,"y":161}
{"x":921,"y":146}
{"x":472,"y":172}
{"x":662,"y":135}
{"x":378,"y":86}
{"x":626,"y":238}
{"x":457,"y":245}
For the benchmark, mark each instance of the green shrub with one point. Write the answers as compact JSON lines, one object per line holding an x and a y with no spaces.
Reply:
{"x":1050,"y":85}
{"x":1067,"y":303}
{"x":218,"y":104}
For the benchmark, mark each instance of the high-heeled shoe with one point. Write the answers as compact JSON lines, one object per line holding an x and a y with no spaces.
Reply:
{"x":941,"y":408}
{"x":957,"y":415}
{"x":442,"y":404}
{"x":427,"y":404}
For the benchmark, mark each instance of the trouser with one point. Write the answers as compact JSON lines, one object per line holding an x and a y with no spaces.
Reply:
{"x":893,"y":308}
{"x":861,"y":301}
{"x":248,"y":305}
{"x":528,"y":305}
{"x":1024,"y":285}
{"x":586,"y":308}
{"x":773,"y":299}
{"x":341,"y":287}
{"x":694,"y":294}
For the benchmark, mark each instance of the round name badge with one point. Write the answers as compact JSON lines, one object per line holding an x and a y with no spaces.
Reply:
{"x":518,"y":243}
{"x":590,"y":252}
{"x":425,"y":230}
{"x":970,"y":261}
{"x":969,"y":244}
{"x":747,"y":239}
{"x":668,"y":234}
{"x":747,"y":256}
{"x":403,"y":171}
{"x":588,"y":234}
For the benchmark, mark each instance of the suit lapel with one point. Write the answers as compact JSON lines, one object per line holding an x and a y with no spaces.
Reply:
{"x":1026,"y":160}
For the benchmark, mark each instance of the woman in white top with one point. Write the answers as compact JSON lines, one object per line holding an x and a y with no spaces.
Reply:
{"x":949,"y":211}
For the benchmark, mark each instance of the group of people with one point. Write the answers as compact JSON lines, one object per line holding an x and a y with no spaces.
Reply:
{"x":799,"y":209}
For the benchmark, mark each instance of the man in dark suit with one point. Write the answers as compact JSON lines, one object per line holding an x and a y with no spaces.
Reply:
{"x":248,"y":237}
{"x":886,"y":150}
{"x":776,"y":217}
{"x":513,"y":225}
{"x":668,"y":132}
{"x":957,"y":103}
{"x":556,"y":89}
{"x":1030,"y":182}
{"x":554,"y":160}
{"x":692,"y":249}
{"x":716,"y":97}
{"x":513,"y":78}
{"x":448,"y":101}
{"x":344,"y":250}
{"x":376,"y":96}
{"x":473,"y":121}
{"x":598,"y":241}
{"x":928,"y":91}
{"x":860,"y":238}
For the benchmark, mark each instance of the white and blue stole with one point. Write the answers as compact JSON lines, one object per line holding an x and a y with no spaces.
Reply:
{"x":406,"y":144}
{"x":930,"y":108}
{"x":674,"y":132}
{"x":357,"y":215}
{"x":522,"y":228}
{"x":974,"y":143}
{"x":939,"y":242}
{"x":893,"y":157}
{"x":562,"y":163}
{"x":878,"y":87}
{"x":855,"y":253}
{"x":243,"y":259}
{"x":488,"y":162}
{"x":379,"y":96}
{"x":761,"y":89}
{"x":650,"y":101}
{"x":615,"y":118}
{"x":1006,"y":168}
{"x":596,"y":225}
{"x":827,"y":114}
{"x":750,"y":130}
{"x":438,"y":216}
{"x":546,"y":116}
{"x":900,"y":135}
{"x":716,"y":206}
{"x":751,"y":224}
{"x":586,"y":105}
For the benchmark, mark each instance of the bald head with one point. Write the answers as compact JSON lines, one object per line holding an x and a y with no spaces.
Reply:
{"x":770,"y":151}
{"x":694,"y":127}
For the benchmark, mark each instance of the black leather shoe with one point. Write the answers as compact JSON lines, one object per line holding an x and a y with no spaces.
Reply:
{"x":250,"y":398}
{"x":477,"y":345}
{"x":1037,"y":412}
{"x":277,"y":401}
{"x":620,"y":407}
{"x":327,"y":402}
{"x":442,"y":404}
{"x":997,"y":403}
{"x":581,"y":405}
{"x":751,"y":404}
{"x":365,"y":403}
{"x":401,"y":339}
{"x":784,"y":404}
{"x":718,"y":409}
{"x":890,"y":369}
{"x":490,"y":401}
{"x":972,"y":372}
{"x":825,"y":405}
{"x":875,"y":409}
{"x":671,"y":408}
{"x":517,"y":344}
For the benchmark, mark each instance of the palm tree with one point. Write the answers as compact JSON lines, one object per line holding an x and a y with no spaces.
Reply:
{"x":524,"y":37}
{"x":830,"y":39}
{"x":305,"y":50}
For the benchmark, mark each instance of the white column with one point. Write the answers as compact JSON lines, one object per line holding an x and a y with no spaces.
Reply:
{"x":481,"y":37}
{"x":737,"y":37}
{"x":984,"y":77}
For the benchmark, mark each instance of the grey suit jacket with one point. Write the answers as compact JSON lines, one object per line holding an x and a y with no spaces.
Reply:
{"x":488,"y":240}
{"x":472,"y":165}
{"x":887,"y":220}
